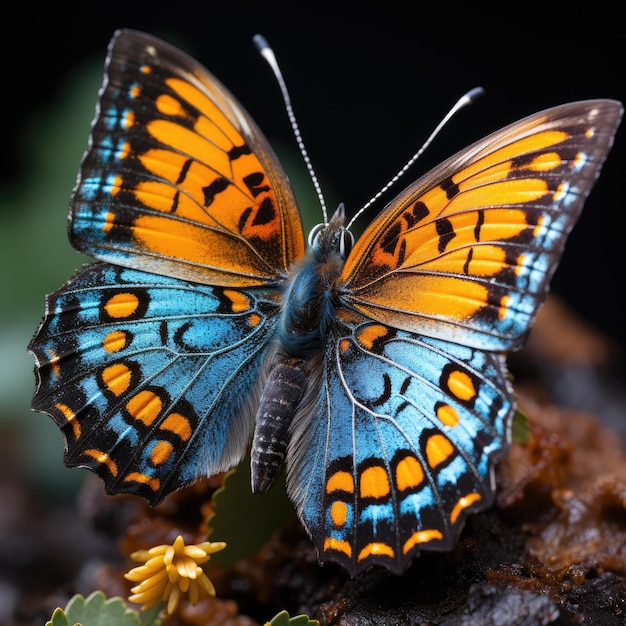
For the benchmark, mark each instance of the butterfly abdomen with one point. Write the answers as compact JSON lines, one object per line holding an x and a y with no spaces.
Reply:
{"x":279,"y":401}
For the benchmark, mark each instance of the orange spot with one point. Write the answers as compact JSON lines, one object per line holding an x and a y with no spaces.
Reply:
{"x":462,"y":504}
{"x":128,"y":120}
{"x":161,"y":452}
{"x":239,"y":300}
{"x":504,"y":305}
{"x":344,"y":345}
{"x":70,"y":416}
{"x":338,"y":545}
{"x":109,"y":221}
{"x":177,"y":424}
{"x":339,"y":513}
{"x":409,"y":473}
{"x":438,"y":450}
{"x":376,"y":549}
{"x":447,"y":415}
{"x":124,"y":151}
{"x":169,"y":106}
{"x":135,"y":90}
{"x":116,"y":378}
{"x":520,"y":264}
{"x":114,"y":188}
{"x":144,"y":479}
{"x":461,"y":385}
{"x":121,"y":305}
{"x":544,"y":162}
{"x":340,"y":481}
{"x":421,"y":536}
{"x":370,"y":334}
{"x":374,"y":482}
{"x":145,"y":69}
{"x":54,"y":363}
{"x":115,"y":341}
{"x":254,"y":319}
{"x":539,"y":227}
{"x":145,"y":406}
{"x":561,"y":192}
{"x":103,"y":458}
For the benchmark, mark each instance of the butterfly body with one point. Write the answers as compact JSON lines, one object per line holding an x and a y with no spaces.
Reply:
{"x":307,"y":314}
{"x":375,"y":375}
{"x":310,"y":300}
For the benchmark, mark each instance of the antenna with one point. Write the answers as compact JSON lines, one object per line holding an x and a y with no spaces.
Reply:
{"x":463,"y":101}
{"x":268,"y":54}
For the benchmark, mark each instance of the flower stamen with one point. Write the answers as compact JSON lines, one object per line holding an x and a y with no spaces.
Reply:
{"x":170,"y":571}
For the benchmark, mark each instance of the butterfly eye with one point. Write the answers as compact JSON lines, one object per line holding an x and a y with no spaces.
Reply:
{"x":315,"y":233}
{"x":346,"y":242}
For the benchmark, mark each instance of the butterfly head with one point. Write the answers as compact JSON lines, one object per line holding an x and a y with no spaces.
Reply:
{"x":332,"y":238}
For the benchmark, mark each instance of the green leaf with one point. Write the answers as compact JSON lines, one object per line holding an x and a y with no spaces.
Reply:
{"x":246,"y":521}
{"x":58,"y":618}
{"x":97,"y":610}
{"x":283,"y":619}
{"x":520,"y":428}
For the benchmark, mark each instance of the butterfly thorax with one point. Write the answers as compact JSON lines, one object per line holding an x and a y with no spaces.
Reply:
{"x":308,"y":309}
{"x":307,"y":315}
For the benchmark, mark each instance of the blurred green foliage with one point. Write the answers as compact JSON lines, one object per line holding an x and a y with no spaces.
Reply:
{"x":36,"y":258}
{"x":234,"y":505}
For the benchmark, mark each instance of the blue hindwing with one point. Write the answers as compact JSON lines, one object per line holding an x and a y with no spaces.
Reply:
{"x":402,"y":444}
{"x":150,"y":377}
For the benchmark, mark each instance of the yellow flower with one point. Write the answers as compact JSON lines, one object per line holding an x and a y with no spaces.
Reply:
{"x":169,"y":571}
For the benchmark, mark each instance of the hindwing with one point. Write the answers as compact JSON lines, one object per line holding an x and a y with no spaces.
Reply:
{"x":148,"y":377}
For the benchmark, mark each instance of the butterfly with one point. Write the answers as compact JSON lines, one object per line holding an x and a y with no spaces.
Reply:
{"x":373,"y":374}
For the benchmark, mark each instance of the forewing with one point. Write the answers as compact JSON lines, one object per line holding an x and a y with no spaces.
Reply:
{"x":466,"y":253}
{"x":178,"y":179}
{"x":150,"y":378}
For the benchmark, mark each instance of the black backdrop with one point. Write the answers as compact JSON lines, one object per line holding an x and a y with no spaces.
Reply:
{"x":369,"y":82}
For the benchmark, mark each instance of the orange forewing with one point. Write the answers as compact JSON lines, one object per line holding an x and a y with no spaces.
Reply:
{"x":209,"y":200}
{"x":449,"y":250}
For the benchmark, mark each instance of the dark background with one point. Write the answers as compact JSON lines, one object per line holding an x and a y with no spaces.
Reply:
{"x":368,"y":83}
